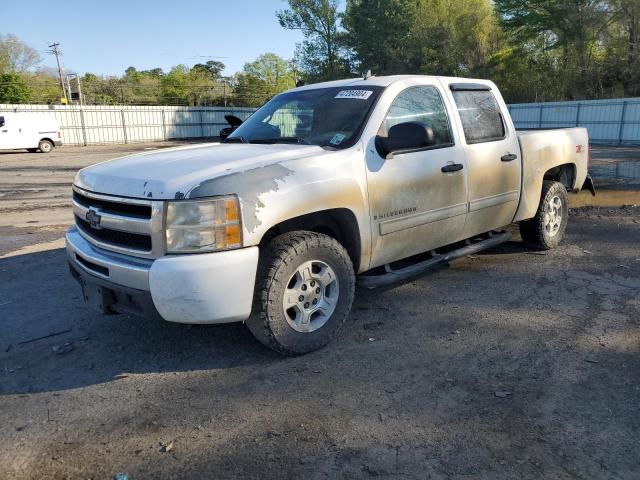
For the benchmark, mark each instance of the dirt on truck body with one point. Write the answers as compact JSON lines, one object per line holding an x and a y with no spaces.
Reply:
{"x":322,"y":184}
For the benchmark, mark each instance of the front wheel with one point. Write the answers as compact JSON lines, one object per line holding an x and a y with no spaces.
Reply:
{"x":547,"y":228}
{"x":304,"y":292}
{"x":45,"y":146}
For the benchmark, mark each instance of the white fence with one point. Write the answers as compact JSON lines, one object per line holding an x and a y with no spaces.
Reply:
{"x":608,"y":121}
{"x":94,"y":125}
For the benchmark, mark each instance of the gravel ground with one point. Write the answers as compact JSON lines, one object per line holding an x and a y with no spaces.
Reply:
{"x":508,"y":364}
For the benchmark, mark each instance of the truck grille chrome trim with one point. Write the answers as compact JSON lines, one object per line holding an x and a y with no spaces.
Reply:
{"x":121,"y":239}
{"x":129,"y":226}
{"x":126,"y":209}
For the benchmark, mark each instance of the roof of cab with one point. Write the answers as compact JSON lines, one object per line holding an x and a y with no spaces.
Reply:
{"x":380,"y":81}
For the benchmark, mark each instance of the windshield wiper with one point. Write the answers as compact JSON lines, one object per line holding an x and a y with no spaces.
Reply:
{"x":270,"y":141}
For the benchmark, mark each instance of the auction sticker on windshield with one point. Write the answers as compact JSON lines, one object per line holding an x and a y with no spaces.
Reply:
{"x":357,"y":94}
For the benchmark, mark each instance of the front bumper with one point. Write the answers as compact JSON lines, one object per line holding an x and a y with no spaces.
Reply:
{"x":202,"y":288}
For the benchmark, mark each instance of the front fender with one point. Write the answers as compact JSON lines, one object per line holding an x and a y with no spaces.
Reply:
{"x":272,"y":194}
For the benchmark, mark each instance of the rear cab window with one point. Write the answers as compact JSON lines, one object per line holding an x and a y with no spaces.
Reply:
{"x":479,"y":112}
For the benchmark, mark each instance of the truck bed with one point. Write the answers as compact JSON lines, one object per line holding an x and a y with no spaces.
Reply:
{"x":542,"y":150}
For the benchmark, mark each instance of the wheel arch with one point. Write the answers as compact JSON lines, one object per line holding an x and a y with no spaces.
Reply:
{"x":50,"y":140}
{"x":338,"y":223}
{"x":565,"y":174}
{"x":531,"y":194}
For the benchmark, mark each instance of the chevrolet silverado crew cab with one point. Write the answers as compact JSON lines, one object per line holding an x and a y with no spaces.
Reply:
{"x":365,"y":180}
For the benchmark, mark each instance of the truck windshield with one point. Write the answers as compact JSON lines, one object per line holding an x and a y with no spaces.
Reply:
{"x":327,"y":117}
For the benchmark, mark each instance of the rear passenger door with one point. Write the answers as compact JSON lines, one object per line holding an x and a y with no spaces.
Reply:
{"x":493,"y":157}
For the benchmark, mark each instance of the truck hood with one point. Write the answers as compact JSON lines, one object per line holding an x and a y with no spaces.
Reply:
{"x":173,"y":173}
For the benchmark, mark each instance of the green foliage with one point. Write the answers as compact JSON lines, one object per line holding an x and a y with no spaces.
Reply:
{"x":535,"y":50}
{"x":13,"y":89}
{"x":189,"y":86}
{"x":380,"y":33}
{"x":16,"y":56}
{"x":575,"y":34}
{"x":261,"y":79}
{"x":211,"y":67}
{"x":322,"y":55}
{"x":437,"y":37}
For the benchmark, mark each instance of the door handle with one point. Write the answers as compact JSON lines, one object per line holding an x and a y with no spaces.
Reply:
{"x":509,"y":157}
{"x":452,"y":167}
{"x":5,"y":131}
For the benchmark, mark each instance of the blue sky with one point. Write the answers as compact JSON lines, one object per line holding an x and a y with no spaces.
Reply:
{"x":105,"y":37}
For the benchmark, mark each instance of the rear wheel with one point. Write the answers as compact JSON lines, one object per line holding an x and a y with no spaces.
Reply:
{"x":45,"y":146}
{"x":547,"y":228}
{"x":304,"y":292}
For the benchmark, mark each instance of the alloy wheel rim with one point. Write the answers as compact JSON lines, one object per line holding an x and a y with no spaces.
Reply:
{"x":311,"y":296}
{"x":553,"y":216}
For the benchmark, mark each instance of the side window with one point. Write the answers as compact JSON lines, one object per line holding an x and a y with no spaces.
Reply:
{"x":422,"y":104}
{"x":1,"y":121}
{"x":480,"y":115}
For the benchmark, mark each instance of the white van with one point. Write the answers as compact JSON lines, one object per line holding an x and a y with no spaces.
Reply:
{"x":31,"y":130}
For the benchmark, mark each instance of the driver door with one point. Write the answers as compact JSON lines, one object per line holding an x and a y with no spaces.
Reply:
{"x":415,"y":205}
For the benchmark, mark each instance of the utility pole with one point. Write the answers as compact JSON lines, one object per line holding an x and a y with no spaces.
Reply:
{"x":224,"y":86}
{"x":55,"y":49}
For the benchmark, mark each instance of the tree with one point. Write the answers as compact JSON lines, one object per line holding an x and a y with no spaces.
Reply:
{"x":212,"y":67}
{"x":189,"y":86}
{"x":16,"y":56}
{"x":421,"y":36}
{"x":261,"y":79}
{"x":101,"y":90}
{"x":575,"y":31}
{"x":622,"y":64}
{"x":13,"y":89}
{"x":322,"y":55}
{"x":380,"y":33}
{"x":43,"y":85}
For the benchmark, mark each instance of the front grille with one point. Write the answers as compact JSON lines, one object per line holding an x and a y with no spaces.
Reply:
{"x":127,"y":209}
{"x":133,"y":241}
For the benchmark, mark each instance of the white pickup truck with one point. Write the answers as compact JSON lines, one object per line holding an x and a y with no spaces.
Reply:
{"x":375,"y":179}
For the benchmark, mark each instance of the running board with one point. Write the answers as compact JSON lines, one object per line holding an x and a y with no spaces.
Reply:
{"x":395,"y":276}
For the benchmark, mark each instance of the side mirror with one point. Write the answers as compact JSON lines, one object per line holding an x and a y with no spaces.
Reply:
{"x":234,"y":122}
{"x":405,"y":137}
{"x":1,"y":121}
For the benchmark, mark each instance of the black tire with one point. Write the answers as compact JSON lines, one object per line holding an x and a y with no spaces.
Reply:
{"x":45,"y":146}
{"x":279,"y":262}
{"x":537,"y":231}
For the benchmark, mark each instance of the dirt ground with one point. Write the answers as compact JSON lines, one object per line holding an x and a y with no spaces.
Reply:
{"x":510,"y":364}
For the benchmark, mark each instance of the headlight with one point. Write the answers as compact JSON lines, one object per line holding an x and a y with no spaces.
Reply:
{"x":203,"y":225}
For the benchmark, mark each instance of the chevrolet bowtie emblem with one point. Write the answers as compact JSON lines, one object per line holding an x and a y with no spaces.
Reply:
{"x":93,"y":218}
